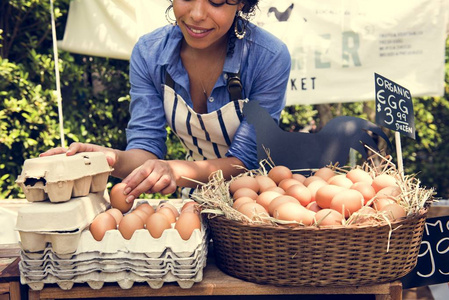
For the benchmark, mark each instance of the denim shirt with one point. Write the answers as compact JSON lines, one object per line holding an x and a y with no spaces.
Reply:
{"x":264,"y":65}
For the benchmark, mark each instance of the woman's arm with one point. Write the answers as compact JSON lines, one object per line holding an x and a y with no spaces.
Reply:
{"x":160,"y":176}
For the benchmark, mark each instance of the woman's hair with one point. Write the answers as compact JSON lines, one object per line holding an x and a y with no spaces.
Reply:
{"x":248,"y":11}
{"x":249,"y":6}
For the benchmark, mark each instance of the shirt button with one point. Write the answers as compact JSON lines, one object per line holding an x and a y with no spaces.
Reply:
{"x":211,"y":99}
{"x":225,"y":76}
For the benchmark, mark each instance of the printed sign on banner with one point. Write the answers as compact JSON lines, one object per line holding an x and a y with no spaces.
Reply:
{"x":394,"y":106}
{"x":433,"y":259}
{"x":335,"y":46}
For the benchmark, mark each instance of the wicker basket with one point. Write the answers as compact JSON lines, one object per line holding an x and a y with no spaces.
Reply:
{"x":311,"y":256}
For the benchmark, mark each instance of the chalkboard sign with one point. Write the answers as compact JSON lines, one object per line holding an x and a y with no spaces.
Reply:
{"x":433,"y":258}
{"x":394,"y":106}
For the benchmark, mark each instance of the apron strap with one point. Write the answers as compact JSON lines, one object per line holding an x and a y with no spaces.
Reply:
{"x":234,"y":85}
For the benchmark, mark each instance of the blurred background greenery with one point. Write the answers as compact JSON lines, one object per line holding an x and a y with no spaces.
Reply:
{"x":95,"y":103}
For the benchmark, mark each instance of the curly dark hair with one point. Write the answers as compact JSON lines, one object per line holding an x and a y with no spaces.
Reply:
{"x":248,"y":11}
{"x":249,"y":6}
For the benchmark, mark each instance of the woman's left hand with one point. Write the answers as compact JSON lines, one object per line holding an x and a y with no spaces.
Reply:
{"x":154,"y":176}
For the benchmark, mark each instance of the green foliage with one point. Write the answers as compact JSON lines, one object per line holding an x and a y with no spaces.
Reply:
{"x":95,"y":102}
{"x":94,"y":93}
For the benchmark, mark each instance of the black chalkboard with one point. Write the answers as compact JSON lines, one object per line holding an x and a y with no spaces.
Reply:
{"x":433,"y":259}
{"x":394,"y":106}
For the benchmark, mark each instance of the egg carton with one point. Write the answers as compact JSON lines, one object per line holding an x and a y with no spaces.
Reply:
{"x":110,"y":258}
{"x":60,"y":177}
{"x":142,"y":242}
{"x":104,"y":266}
{"x":124,"y":278}
{"x":58,"y":224}
{"x":69,"y":273}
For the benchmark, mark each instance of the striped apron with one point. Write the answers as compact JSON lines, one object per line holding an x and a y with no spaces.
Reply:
{"x":204,"y":136}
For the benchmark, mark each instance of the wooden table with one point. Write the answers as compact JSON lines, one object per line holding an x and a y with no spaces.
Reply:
{"x":10,"y":287}
{"x":215,"y":284}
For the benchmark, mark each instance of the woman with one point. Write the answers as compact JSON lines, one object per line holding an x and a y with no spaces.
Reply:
{"x":179,"y":75}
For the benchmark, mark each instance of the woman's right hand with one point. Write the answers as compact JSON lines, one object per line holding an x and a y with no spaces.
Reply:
{"x":74,"y":148}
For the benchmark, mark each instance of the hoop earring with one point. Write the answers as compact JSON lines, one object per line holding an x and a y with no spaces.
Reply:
{"x":240,"y":25}
{"x":170,"y":19}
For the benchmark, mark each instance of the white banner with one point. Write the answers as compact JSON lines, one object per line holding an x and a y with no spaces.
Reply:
{"x":336,"y":46}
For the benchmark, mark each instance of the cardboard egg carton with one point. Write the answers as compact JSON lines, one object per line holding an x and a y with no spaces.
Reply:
{"x":61,"y":177}
{"x":125,"y":271}
{"x":125,"y":278}
{"x":142,"y":242}
{"x":115,"y":259}
{"x":60,"y":224}
{"x":39,"y":259}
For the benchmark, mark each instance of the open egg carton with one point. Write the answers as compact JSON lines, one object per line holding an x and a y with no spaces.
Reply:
{"x":60,"y":178}
{"x":115,"y":259}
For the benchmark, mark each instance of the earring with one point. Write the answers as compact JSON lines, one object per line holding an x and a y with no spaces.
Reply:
{"x":240,"y":25}
{"x":170,"y":20}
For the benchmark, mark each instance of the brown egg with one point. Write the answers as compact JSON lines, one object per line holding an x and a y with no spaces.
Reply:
{"x":325,"y":173}
{"x":366,"y":189}
{"x":170,"y":206}
{"x":314,"y":186}
{"x":265,"y":198}
{"x":383,"y":180}
{"x":394,"y":211}
{"x":265,"y":183}
{"x":341,"y":180}
{"x":168,"y":213}
{"x":329,"y":217}
{"x":378,"y":204}
{"x":359,"y":175}
{"x":129,"y":224}
{"x":324,"y":195}
{"x":294,"y":212}
{"x":117,"y":198}
{"x":278,"y":173}
{"x":244,"y":181}
{"x":299,"y":177}
{"x":365,"y":215}
{"x":301,"y":193}
{"x":147,"y":208}
{"x":245,"y":192}
{"x":310,"y":179}
{"x":191,"y":206}
{"x":278,"y":201}
{"x":156,"y":224}
{"x":252,"y":209}
{"x":347,"y":202}
{"x":313,"y":206}
{"x":288,"y":182}
{"x":117,"y":214}
{"x":102,"y":223}
{"x":237,"y":203}
{"x":186,"y":224}
{"x":277,"y":189}
{"x":142,"y":214}
{"x":390,"y":192}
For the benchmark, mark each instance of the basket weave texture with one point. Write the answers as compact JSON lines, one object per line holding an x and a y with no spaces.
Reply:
{"x":311,"y":256}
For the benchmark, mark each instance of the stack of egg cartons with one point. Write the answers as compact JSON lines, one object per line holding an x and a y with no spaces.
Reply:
{"x":57,"y":246}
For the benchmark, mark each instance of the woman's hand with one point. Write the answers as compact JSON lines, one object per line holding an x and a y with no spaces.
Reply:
{"x":111,"y":155}
{"x":154,"y":176}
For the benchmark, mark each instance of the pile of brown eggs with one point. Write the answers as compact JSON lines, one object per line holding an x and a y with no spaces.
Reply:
{"x":156,"y":220}
{"x":326,"y":198}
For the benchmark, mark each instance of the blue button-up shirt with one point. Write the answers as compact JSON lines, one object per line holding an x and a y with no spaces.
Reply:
{"x":264,"y":65}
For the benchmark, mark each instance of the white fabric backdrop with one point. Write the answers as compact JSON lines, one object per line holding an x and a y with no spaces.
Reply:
{"x":336,"y":46}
